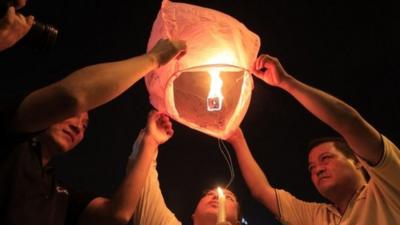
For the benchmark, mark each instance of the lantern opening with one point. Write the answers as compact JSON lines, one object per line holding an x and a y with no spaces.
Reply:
{"x":208,"y":97}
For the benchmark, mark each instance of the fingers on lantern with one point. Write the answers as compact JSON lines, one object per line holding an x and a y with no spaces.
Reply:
{"x":209,"y":89}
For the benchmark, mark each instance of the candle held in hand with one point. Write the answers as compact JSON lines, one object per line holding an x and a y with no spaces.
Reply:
{"x":221,"y":206}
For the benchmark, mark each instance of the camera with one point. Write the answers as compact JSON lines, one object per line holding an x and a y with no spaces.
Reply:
{"x":41,"y":36}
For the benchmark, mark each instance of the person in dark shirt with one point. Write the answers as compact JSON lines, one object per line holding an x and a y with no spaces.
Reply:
{"x":52,"y":120}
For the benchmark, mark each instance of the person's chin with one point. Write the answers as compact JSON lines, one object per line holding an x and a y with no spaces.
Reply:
{"x":211,"y":211}
{"x":63,"y":145}
{"x":324,"y":186}
{"x":206,"y":213}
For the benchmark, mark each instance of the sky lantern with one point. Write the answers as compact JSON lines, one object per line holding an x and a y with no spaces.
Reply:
{"x":209,"y":89}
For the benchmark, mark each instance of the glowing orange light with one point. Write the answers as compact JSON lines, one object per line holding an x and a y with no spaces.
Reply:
{"x":215,"y":97}
{"x":220,"y":192}
{"x":221,"y":206}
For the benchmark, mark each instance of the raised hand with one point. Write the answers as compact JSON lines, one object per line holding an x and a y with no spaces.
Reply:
{"x":158,"y":128}
{"x":269,"y":69}
{"x":13,"y":27}
{"x":166,"y":49}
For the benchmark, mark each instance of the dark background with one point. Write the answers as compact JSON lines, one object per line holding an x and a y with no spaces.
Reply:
{"x":347,"y":49}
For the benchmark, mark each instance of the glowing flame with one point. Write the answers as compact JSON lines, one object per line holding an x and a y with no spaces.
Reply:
{"x":220,"y":192}
{"x":214,"y":99}
{"x":222,"y":56}
{"x":221,"y":216}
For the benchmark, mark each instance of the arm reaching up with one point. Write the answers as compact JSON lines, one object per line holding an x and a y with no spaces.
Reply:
{"x":90,"y":87}
{"x":120,"y":208}
{"x":255,"y":178}
{"x":364,"y":139}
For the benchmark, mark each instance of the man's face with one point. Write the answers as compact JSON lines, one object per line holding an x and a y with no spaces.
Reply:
{"x":68,"y":133}
{"x":330,"y":170}
{"x":207,"y":208}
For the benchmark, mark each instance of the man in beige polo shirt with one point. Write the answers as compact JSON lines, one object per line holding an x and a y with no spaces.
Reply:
{"x":335,"y":164}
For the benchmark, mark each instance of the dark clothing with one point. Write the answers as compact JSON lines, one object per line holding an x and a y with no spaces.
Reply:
{"x":30,"y":193}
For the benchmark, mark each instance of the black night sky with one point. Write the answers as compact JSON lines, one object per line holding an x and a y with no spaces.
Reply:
{"x":347,"y":49}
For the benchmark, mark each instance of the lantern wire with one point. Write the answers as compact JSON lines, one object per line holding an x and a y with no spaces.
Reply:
{"x":225,"y":153}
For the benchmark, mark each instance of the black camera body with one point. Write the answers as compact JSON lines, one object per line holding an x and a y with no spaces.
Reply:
{"x":41,"y":36}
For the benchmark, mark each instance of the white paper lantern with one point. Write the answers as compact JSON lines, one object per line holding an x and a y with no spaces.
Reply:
{"x":209,"y":89}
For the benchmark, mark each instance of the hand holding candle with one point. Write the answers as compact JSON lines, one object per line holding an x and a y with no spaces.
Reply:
{"x":221,"y":206}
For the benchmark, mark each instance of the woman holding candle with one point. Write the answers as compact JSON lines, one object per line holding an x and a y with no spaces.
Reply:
{"x":151,"y":208}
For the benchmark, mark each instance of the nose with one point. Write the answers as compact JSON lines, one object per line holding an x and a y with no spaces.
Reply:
{"x":214,"y":196}
{"x":319,"y":170}
{"x":75,"y":128}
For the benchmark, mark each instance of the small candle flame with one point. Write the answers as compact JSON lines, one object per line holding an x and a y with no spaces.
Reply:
{"x":220,"y":192}
{"x":215,"y":97}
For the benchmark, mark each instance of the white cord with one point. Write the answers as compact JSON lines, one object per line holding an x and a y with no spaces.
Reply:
{"x":225,"y":153}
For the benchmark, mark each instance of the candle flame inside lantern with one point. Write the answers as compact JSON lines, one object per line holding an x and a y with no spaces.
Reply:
{"x":215,"y":97}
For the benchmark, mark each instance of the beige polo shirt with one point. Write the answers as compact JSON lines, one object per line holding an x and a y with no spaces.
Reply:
{"x":151,"y":208}
{"x":377,"y":203}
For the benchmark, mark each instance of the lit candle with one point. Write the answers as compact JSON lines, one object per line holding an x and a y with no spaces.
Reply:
{"x":215,"y":97}
{"x":221,"y":206}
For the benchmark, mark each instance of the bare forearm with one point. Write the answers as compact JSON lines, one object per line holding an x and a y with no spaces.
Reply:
{"x":126,"y":198}
{"x":120,"y":208}
{"x":255,"y":178}
{"x":360,"y":135}
{"x":252,"y":173}
{"x":327,"y":108}
{"x":98,"y":84}
{"x":82,"y":91}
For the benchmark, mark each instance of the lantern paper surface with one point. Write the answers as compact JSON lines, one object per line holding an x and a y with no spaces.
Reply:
{"x":209,"y":89}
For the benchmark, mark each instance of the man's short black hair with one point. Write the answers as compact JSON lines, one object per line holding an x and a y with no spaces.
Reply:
{"x":339,"y":143}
